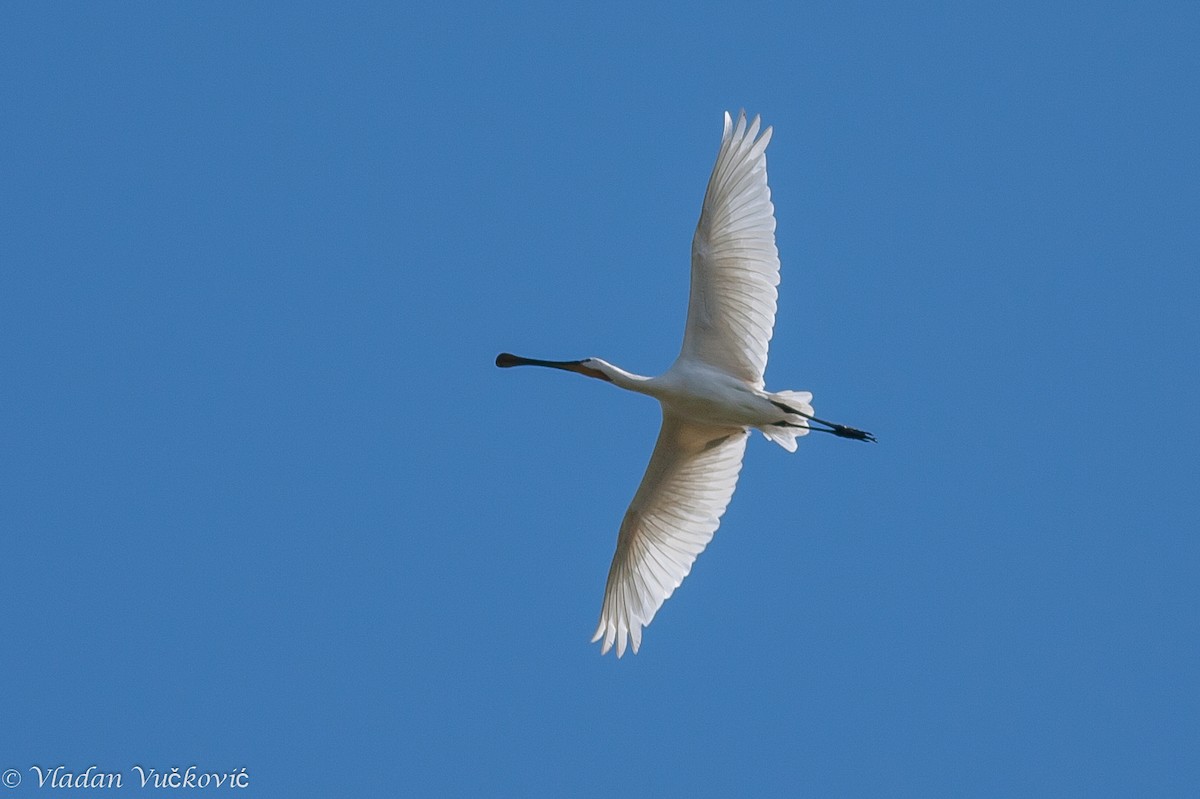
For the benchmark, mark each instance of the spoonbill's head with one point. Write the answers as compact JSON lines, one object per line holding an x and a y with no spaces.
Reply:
{"x":590,"y":367}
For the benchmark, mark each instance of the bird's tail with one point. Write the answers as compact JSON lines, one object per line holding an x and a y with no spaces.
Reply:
{"x":786,"y":435}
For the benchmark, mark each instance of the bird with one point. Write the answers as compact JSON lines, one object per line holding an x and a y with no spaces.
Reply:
{"x":712,"y":396}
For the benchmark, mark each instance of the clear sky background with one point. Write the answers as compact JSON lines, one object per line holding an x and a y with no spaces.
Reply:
{"x":265,"y":501}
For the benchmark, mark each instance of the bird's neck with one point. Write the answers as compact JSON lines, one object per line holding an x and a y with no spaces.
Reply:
{"x":626,"y":380}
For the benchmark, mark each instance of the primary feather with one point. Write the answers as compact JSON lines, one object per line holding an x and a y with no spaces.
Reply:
{"x":735,"y":264}
{"x":673,"y":516}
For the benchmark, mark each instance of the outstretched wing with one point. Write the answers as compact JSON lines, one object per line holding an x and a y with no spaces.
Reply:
{"x":673,"y":516}
{"x":735,"y":265}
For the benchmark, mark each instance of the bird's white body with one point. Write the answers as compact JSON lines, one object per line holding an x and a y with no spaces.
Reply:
{"x":704,"y":394}
{"x":711,"y":397}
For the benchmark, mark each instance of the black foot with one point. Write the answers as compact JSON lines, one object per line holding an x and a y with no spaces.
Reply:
{"x":852,"y":432}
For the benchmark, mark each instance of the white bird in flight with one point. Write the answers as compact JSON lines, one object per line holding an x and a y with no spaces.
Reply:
{"x":711,"y":397}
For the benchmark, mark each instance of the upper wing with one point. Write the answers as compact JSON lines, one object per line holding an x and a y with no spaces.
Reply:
{"x":735,"y":265}
{"x":673,"y":516}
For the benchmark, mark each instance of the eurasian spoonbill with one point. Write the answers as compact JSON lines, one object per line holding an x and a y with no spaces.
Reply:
{"x":711,"y":397}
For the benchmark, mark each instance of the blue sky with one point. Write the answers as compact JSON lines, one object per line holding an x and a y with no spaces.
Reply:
{"x":265,"y":502}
